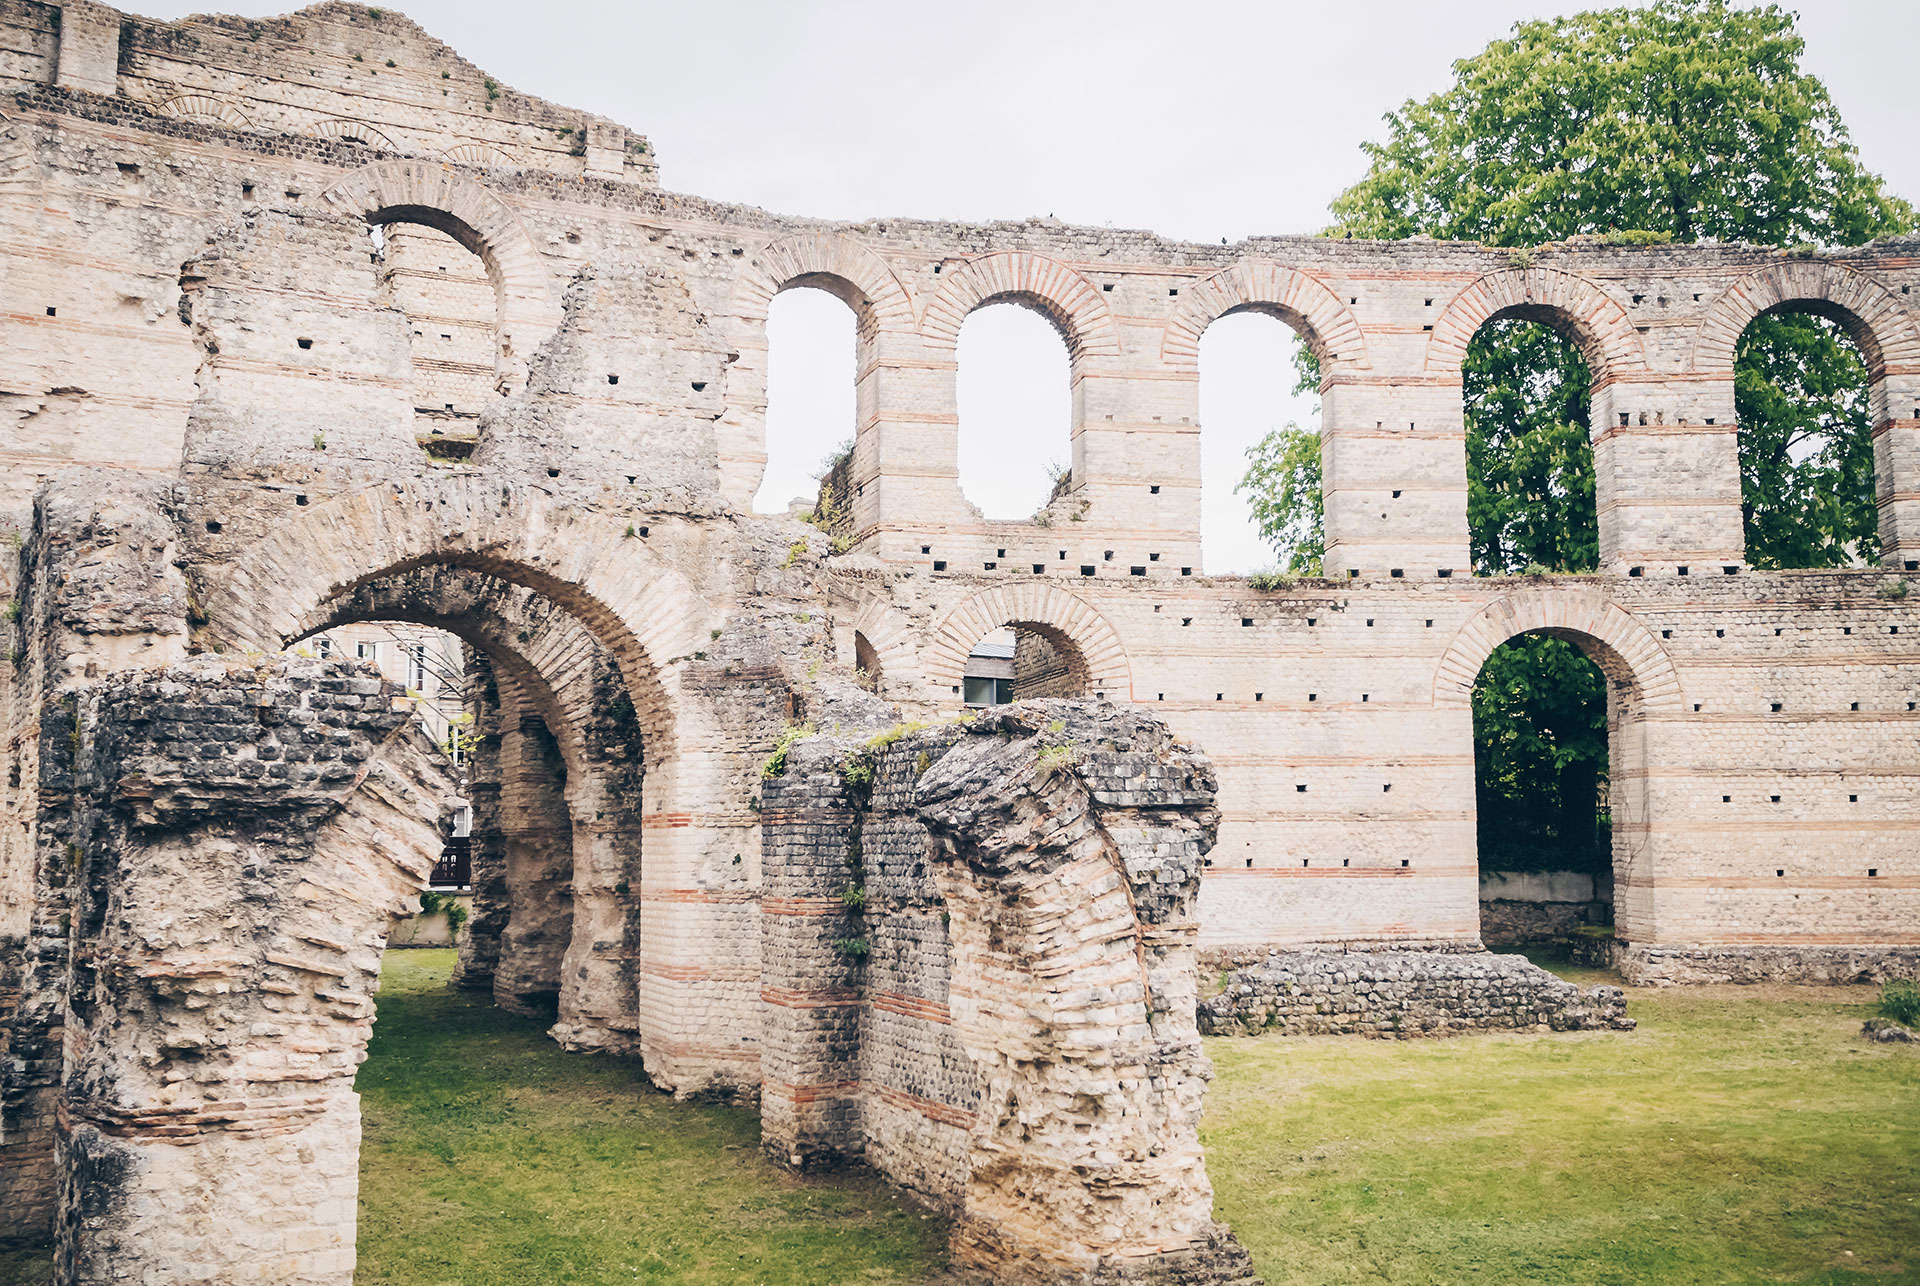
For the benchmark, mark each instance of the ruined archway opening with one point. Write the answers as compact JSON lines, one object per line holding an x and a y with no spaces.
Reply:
{"x":1527,"y":392}
{"x":1803,"y":397}
{"x":435,"y":670}
{"x":812,"y":344}
{"x":1260,"y":493}
{"x":502,"y":606}
{"x":536,"y":839}
{"x":555,"y":768}
{"x":451,"y":305}
{"x":1015,"y":401}
{"x":1544,"y":712}
{"x":1024,"y":661}
{"x":867,"y":671}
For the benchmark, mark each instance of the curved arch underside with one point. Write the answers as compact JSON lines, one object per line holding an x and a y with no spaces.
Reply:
{"x":1623,"y":647}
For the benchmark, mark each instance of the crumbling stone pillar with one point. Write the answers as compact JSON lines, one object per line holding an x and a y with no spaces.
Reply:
{"x":537,"y":844}
{"x":244,"y":840}
{"x":600,"y":972}
{"x":812,"y":991}
{"x":1068,"y":847}
{"x":98,"y":589}
{"x":480,"y":945}
{"x":979,"y":973}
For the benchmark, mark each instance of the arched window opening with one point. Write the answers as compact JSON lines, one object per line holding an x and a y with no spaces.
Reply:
{"x":429,"y":663}
{"x":811,"y":354}
{"x":866,"y":663}
{"x":452,"y":312}
{"x":1016,"y":411}
{"x":1259,"y":447}
{"x":1541,"y":757}
{"x":1022,"y":662}
{"x":1530,"y":498}
{"x":1801,"y":399}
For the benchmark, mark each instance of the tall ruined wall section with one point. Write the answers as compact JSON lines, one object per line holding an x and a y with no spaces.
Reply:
{"x":226,"y":399}
{"x":197,"y":298}
{"x":195,"y":292}
{"x":979,"y":958}
{"x":242,"y":841}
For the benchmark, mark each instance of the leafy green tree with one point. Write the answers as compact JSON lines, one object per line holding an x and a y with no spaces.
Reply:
{"x":1806,"y":445}
{"x":1529,"y":457}
{"x":1681,"y":120}
{"x":1282,"y":485}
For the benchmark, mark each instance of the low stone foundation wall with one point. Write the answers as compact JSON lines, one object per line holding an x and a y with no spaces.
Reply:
{"x":1821,"y":966}
{"x":1519,"y":908}
{"x":1509,"y":923}
{"x":1226,"y":959}
{"x":1593,"y":947}
{"x":1404,"y":994}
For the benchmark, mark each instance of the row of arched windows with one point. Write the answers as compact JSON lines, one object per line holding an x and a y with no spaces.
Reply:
{"x":1015,"y":405}
{"x":1806,"y":451}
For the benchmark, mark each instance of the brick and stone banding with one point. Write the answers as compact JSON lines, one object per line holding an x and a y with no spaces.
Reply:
{"x":227,"y":358}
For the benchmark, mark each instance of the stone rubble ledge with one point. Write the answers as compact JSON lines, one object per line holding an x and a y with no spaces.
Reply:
{"x":1652,"y":966}
{"x":1403,"y":994}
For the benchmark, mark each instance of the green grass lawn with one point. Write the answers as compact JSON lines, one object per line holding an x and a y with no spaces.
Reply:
{"x":1742,"y":1134}
{"x":493,"y":1157}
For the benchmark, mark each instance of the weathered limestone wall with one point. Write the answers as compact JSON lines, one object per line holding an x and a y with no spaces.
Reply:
{"x":243,"y":838}
{"x":222,"y":439}
{"x":982,"y":977}
{"x":1404,"y":994}
{"x":97,"y":588}
{"x":629,"y":359}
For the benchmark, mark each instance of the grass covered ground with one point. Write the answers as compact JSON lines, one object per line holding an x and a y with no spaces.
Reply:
{"x":492,"y":1157}
{"x":1742,"y":1134}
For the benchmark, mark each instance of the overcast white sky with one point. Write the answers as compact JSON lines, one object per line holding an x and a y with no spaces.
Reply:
{"x":1197,"y":120}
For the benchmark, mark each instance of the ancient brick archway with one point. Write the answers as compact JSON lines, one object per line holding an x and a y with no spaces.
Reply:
{"x":1059,"y":293}
{"x":1586,"y":315}
{"x":623,"y":598}
{"x":1100,"y":656}
{"x":559,"y":857}
{"x":1261,"y":285}
{"x":432,"y":194}
{"x":1889,"y":341}
{"x":1620,"y":645}
{"x":843,"y":268}
{"x":1558,"y":299}
{"x":1644,"y":699}
{"x":635,"y":605}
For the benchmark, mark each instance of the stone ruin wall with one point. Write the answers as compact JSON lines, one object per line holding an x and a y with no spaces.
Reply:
{"x":209,"y":1047}
{"x":216,"y":409}
{"x":929,"y":895}
{"x":1404,"y":994}
{"x":113,"y":196}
